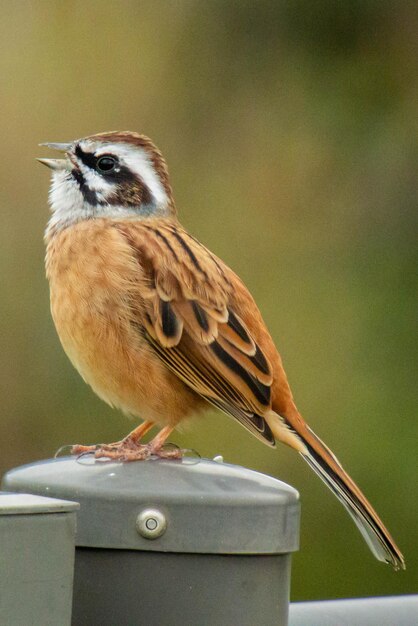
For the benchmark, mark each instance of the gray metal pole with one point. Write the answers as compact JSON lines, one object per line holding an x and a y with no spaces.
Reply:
{"x":390,"y":611}
{"x":170,"y":543}
{"x":36,"y":560}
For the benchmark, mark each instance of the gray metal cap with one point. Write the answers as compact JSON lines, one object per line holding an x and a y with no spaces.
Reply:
{"x":194,"y":506}
{"x":27,"y":503}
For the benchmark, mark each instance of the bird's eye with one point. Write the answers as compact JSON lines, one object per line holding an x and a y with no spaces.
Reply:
{"x":106,"y":164}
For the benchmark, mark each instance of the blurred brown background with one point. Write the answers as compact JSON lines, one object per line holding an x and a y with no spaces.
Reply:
{"x":290,"y":129}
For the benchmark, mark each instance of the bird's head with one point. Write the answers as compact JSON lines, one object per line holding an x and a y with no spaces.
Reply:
{"x":115,"y":175}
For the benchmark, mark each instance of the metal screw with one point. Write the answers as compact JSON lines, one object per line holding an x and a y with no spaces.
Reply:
{"x":151,"y":523}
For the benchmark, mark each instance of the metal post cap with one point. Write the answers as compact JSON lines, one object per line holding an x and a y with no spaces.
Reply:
{"x":197,"y":506}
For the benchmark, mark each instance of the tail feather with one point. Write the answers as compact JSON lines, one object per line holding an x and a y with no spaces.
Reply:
{"x":329,"y":469}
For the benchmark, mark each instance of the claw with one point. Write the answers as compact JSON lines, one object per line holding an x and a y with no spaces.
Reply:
{"x":78,"y":450}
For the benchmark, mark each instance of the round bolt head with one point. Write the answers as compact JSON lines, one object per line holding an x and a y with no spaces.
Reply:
{"x":151,"y":523}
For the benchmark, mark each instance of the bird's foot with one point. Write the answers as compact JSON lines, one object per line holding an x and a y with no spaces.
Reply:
{"x":127,"y":450}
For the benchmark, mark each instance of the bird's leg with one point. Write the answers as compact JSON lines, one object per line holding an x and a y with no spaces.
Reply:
{"x":129,"y":442}
{"x":134,"y":436}
{"x":156,"y":445}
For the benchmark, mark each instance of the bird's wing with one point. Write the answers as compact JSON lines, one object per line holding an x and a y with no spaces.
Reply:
{"x":187,"y":316}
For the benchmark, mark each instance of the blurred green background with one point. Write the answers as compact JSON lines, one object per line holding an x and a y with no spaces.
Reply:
{"x":290,"y":129}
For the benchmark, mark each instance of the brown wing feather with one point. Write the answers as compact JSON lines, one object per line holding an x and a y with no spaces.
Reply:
{"x":191,"y":324}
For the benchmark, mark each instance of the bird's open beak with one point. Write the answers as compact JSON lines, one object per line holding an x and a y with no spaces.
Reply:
{"x":57,"y":164}
{"x":60,"y":147}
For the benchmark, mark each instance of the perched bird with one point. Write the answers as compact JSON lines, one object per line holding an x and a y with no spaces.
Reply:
{"x":158,"y":325}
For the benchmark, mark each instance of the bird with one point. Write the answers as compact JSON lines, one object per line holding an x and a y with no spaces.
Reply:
{"x":159,"y":326}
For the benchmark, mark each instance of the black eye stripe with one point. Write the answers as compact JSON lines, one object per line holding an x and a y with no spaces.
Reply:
{"x":129,"y":188}
{"x":92,"y":161}
{"x":119,"y":174}
{"x":87,"y":158}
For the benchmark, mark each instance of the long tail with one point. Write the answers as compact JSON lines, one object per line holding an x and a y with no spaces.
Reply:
{"x":329,"y":469}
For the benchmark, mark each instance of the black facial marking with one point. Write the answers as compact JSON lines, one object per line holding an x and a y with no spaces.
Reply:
{"x":129,"y":189}
{"x":146,"y":197}
{"x":89,"y":195}
{"x":119,"y":173}
{"x":86,"y":157}
{"x":260,"y":391}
